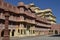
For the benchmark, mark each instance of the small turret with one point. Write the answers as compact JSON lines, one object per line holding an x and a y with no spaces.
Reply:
{"x":20,"y":4}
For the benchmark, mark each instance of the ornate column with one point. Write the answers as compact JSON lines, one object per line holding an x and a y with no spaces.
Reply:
{"x":0,"y":33}
{"x":11,"y":33}
{"x":6,"y":30}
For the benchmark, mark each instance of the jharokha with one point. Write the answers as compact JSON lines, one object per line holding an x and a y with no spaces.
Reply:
{"x":24,"y":21}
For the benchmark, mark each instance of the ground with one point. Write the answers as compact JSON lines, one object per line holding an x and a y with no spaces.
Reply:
{"x":37,"y":38}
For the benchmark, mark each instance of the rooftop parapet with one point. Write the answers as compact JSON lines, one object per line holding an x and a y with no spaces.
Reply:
{"x":37,"y":8}
{"x":46,"y":10}
{"x":6,"y":6}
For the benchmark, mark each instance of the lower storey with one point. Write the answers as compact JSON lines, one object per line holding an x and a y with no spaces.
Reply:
{"x":22,"y":32}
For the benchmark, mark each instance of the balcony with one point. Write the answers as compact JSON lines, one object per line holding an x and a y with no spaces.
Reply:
{"x":15,"y":18}
{"x":10,"y":26}
{"x":30,"y":21}
{"x":42,"y":29}
{"x":30,"y":14}
{"x":12,"y":18}
{"x":13,"y":26}
{"x":44,"y":20}
{"x":40,"y":24}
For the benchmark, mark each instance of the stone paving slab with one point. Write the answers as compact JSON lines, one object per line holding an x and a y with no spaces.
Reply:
{"x":36,"y":38}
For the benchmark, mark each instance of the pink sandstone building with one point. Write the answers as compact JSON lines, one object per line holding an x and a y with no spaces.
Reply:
{"x":22,"y":21}
{"x":55,"y":28}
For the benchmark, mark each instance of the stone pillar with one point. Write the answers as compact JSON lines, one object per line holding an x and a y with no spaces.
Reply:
{"x":11,"y":33}
{"x":31,"y":31}
{"x":20,"y":31}
{"x":23,"y":31}
{"x":53,"y":32}
{"x":6,"y":30}
{"x":58,"y":31}
{"x":16,"y":33}
{"x":22,"y":25}
{"x":0,"y":32}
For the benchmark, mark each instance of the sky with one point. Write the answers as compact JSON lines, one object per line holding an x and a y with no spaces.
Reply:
{"x":42,"y":4}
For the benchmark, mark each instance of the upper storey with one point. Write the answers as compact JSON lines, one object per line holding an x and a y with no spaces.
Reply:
{"x":45,"y":13}
{"x":21,"y":9}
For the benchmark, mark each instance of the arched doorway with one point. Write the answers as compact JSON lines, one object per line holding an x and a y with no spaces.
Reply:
{"x":56,"y":32}
{"x":2,"y":33}
{"x":13,"y":32}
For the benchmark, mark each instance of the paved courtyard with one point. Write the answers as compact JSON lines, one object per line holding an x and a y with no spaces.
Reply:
{"x":36,"y":38}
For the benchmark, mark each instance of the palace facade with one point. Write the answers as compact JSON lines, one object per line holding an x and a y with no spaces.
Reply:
{"x":44,"y":13}
{"x":22,"y":21}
